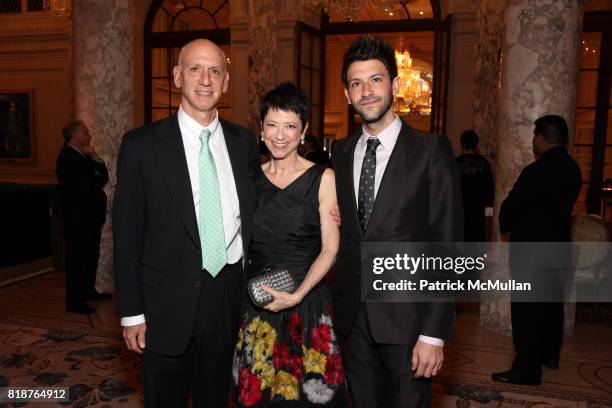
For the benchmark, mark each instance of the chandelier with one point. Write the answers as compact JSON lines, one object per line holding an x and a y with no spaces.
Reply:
{"x":60,"y":11}
{"x":414,"y":95}
{"x":337,"y":9}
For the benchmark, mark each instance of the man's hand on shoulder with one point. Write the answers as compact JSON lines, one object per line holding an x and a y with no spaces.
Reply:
{"x":426,"y":359}
{"x":134,"y":337}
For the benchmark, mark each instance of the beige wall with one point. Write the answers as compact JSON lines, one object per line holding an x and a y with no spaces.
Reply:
{"x":457,"y":6}
{"x":461,"y":80}
{"x":336,"y":111}
{"x":34,"y":55}
{"x":141,"y":7}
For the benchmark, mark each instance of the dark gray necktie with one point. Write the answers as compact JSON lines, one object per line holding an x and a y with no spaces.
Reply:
{"x":365,"y":198}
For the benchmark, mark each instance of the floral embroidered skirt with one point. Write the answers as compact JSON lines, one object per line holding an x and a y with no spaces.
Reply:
{"x":290,"y":358}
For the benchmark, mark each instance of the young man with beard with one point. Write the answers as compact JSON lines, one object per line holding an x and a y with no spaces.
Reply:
{"x":394,"y":184}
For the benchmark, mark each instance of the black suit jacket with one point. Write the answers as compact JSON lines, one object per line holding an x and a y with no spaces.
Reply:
{"x":81,"y":189}
{"x":158,"y":263}
{"x":539,"y":206}
{"x":419,"y":200}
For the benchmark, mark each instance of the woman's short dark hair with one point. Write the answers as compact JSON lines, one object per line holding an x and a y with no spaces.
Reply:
{"x":367,"y":48}
{"x":286,"y":97}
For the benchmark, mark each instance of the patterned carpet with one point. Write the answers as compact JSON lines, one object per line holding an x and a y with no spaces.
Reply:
{"x":41,"y":345}
{"x":99,"y":371}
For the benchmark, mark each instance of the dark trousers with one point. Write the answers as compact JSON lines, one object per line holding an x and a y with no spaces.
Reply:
{"x":380,"y":375}
{"x":474,"y":223}
{"x":537,"y":315}
{"x":537,"y":333}
{"x":203,"y":371}
{"x":82,"y":254}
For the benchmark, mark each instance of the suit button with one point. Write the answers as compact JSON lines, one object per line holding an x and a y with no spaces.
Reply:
{"x":196,"y":285}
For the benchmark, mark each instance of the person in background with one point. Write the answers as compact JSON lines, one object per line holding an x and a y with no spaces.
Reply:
{"x":264,"y":154}
{"x":476,"y":187}
{"x":309,"y":149}
{"x":538,"y":210}
{"x":82,"y":176}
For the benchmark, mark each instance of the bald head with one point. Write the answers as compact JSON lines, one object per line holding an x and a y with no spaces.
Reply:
{"x":72,"y":128}
{"x":198,"y":46}
{"x":201,"y":75}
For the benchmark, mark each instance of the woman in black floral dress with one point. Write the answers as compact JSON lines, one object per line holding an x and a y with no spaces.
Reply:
{"x":287,"y":354}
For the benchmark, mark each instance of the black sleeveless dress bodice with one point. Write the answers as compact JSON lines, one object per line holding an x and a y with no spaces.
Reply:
{"x":290,"y":358}
{"x":287,"y":228}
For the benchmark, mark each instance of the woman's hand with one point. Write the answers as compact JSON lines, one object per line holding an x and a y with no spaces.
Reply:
{"x":282,"y":300}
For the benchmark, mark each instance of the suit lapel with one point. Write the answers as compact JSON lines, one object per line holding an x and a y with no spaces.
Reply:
{"x":238,"y":155}
{"x":398,"y":170}
{"x":170,"y":154}
{"x":347,"y":187}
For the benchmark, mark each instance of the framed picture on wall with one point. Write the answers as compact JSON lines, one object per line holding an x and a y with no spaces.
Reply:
{"x":17,"y":126}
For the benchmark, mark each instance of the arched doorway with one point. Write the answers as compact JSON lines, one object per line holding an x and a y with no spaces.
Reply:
{"x":420,"y":37}
{"x":168,"y":26}
{"x":592,"y":147}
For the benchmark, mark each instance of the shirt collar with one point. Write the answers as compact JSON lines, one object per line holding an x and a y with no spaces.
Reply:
{"x":193,"y":127}
{"x":553,"y":151}
{"x":387,"y":137}
{"x":76,"y":149}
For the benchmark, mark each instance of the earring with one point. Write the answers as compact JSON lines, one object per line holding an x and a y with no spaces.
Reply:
{"x":262,"y":137}
{"x":302,"y":142}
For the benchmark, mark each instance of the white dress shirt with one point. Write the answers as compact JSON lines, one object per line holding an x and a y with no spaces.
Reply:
{"x":388,"y":138}
{"x":230,"y":207}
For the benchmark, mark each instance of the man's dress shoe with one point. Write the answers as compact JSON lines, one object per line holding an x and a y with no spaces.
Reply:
{"x":552,"y":364}
{"x":510,"y":377}
{"x":99,"y":296}
{"x":82,"y":309}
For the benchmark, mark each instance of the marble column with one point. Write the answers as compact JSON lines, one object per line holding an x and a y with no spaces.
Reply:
{"x":539,"y":63}
{"x":494,"y":313}
{"x":487,"y":73}
{"x":263,"y":51}
{"x":103,"y":77}
{"x":262,"y":54}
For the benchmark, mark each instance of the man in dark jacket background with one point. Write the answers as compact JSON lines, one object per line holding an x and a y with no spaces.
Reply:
{"x":476,"y":187}
{"x":538,"y":209}
{"x":82,"y":176}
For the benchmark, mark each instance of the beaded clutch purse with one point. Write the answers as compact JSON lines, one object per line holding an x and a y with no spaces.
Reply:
{"x":279,"y":279}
